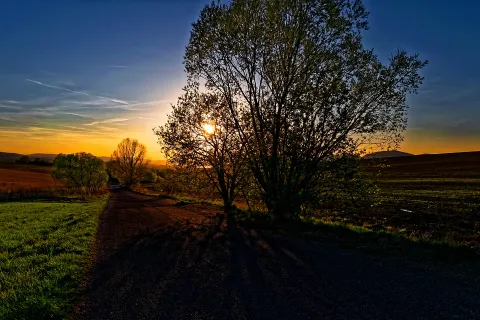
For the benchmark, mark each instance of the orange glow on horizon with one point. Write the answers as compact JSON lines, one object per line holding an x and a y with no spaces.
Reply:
{"x":420,"y":142}
{"x":415,"y":142}
{"x":101,"y":147}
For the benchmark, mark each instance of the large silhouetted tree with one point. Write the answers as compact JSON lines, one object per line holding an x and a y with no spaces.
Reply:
{"x":200,"y":134}
{"x":129,"y":161}
{"x":297,"y":70}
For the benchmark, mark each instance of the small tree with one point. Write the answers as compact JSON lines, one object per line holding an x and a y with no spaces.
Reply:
{"x":200,"y":134}
{"x":81,"y":171}
{"x":129,"y":161}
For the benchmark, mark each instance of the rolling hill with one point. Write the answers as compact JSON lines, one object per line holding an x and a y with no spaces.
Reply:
{"x":387,"y":154}
{"x":9,"y":157}
{"x":49,"y":157}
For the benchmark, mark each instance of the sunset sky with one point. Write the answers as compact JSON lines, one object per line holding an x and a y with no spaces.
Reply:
{"x":82,"y":75}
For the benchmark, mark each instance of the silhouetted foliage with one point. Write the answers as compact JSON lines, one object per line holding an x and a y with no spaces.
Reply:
{"x":80,"y":171}
{"x":341,"y":186}
{"x":150,"y":176}
{"x":200,"y":134}
{"x":112,"y":177}
{"x":186,"y":181}
{"x":37,"y":161}
{"x":129,"y":161}
{"x":298,"y":73}
{"x":40,"y":162}
{"x":23,"y":159}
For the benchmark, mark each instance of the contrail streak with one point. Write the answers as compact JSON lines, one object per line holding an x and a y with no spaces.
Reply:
{"x":77,"y":92}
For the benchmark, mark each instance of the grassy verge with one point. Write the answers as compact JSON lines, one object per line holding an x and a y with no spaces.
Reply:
{"x":44,"y":251}
{"x":421,"y":209}
{"x":180,"y":198}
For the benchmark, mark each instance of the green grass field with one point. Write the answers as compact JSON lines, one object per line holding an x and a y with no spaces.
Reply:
{"x":44,"y":252}
{"x":426,"y":197}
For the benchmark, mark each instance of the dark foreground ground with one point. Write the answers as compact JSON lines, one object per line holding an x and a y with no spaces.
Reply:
{"x":159,"y":260}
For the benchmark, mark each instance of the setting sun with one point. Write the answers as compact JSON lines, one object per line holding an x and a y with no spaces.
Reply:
{"x":208,"y":128}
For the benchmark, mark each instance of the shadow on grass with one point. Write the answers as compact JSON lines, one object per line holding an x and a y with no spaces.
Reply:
{"x":373,"y":241}
{"x":350,"y":236}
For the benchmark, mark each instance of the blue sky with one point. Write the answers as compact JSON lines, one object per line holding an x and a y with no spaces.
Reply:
{"x":77,"y":71}
{"x":444,"y":115}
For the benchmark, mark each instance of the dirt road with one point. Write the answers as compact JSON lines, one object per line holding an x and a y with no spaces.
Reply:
{"x":156,"y":260}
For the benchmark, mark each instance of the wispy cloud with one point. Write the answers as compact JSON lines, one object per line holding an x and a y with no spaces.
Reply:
{"x":2,"y":118}
{"x":78,"y":92}
{"x":138,"y":104}
{"x":118,"y":66}
{"x":114,"y":100}
{"x":10,"y":101}
{"x":150,"y":102}
{"x":14,"y":108}
{"x":113,"y":120}
{"x":74,"y":127}
{"x":75,"y":114}
{"x":108,"y":129}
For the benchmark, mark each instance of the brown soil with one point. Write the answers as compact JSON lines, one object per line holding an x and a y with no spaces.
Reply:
{"x":19,"y":178}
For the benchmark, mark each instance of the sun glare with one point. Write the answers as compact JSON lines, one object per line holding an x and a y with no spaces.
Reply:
{"x":208,"y":128}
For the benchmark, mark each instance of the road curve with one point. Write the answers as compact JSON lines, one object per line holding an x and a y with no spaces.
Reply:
{"x":158,"y":260}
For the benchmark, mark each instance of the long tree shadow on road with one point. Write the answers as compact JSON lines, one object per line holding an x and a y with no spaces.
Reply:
{"x":180,"y":269}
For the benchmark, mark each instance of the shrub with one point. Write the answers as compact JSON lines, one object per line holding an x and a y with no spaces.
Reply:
{"x":341,"y":186}
{"x":150,"y":177}
{"x":82,"y":172}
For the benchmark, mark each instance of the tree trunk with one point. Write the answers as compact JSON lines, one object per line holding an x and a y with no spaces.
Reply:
{"x":227,"y":203}
{"x":282,"y":205}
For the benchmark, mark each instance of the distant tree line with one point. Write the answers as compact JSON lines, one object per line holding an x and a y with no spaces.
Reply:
{"x":84,"y":173}
{"x":36,"y":161}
